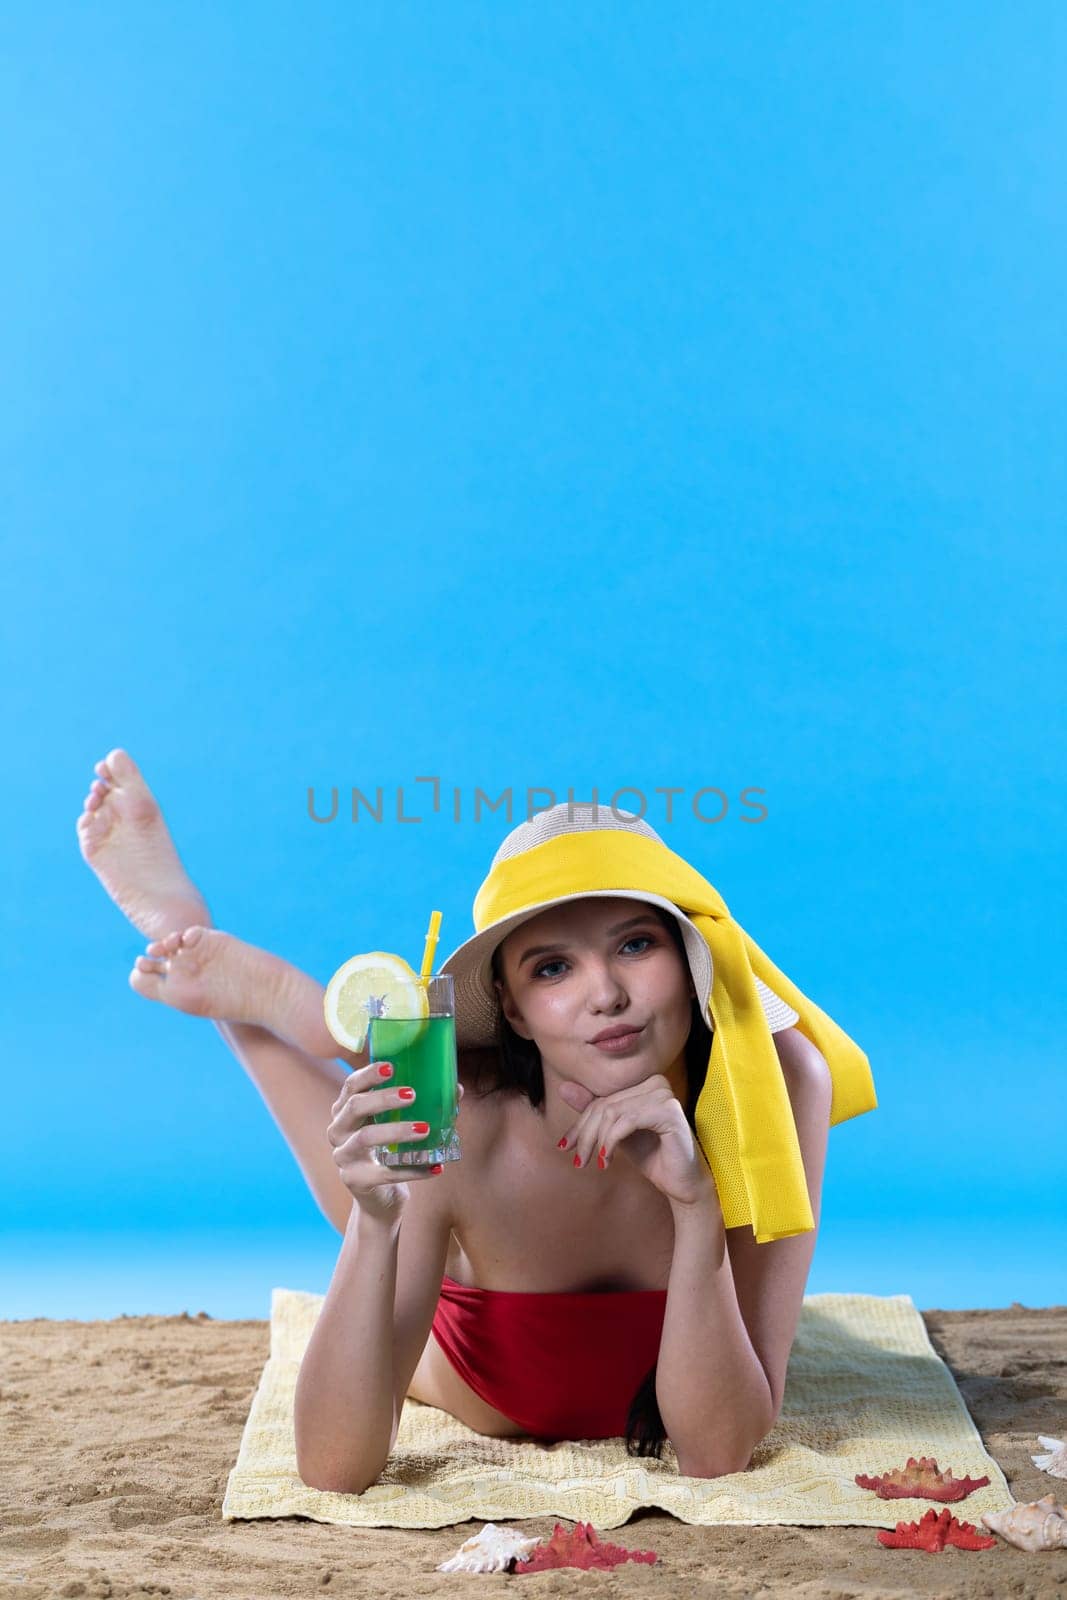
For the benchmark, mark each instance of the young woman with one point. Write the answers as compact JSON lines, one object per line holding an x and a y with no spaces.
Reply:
{"x":574,"y":1275}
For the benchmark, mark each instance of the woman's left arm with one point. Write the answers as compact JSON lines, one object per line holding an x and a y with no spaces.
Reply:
{"x":733,"y":1305}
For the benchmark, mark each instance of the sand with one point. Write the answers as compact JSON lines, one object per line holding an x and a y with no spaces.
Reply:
{"x":118,"y":1437}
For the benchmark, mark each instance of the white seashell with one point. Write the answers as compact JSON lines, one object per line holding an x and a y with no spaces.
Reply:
{"x":1041,"y":1525}
{"x":1055,"y":1461}
{"x":489,"y":1551}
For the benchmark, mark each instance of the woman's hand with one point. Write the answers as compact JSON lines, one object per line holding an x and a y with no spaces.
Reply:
{"x":374,"y":1188}
{"x":646,"y":1124}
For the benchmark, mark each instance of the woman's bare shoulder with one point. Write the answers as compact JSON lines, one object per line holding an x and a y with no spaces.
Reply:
{"x":481,"y":1125}
{"x":483,"y":1101}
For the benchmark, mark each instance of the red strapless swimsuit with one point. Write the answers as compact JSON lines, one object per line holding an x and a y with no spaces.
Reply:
{"x":562,"y":1366}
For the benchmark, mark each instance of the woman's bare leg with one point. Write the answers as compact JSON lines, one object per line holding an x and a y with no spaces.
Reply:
{"x":209,"y":973}
{"x":300,"y":1091}
{"x":270,"y":1015}
{"x":124,"y":839}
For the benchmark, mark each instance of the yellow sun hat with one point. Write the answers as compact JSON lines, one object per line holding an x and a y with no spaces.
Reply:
{"x":743,"y":1117}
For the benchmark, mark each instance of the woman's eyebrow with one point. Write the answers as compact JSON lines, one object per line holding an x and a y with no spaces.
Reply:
{"x":620,"y":927}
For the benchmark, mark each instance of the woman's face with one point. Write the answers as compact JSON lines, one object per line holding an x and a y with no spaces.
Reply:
{"x":578,"y":969}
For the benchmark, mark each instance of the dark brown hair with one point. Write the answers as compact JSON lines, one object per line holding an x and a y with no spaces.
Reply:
{"x":516,"y":1065}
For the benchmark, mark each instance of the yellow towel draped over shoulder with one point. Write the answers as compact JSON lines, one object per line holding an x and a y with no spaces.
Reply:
{"x":743,"y":1117}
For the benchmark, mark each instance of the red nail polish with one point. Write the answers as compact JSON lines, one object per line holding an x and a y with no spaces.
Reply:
{"x":577,"y":1159}
{"x":437,"y":1168}
{"x":421,"y":1127}
{"x":385,"y":1072}
{"x":562,"y":1143}
{"x":406,"y":1094}
{"x":601,"y":1159}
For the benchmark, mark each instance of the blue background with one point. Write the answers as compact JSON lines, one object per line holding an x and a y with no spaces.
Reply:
{"x":540,"y":396}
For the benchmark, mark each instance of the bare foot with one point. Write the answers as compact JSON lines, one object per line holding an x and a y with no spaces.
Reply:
{"x":124,"y":839}
{"x":209,"y":973}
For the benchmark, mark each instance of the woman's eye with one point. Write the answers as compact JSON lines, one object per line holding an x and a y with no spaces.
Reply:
{"x":638,"y":938}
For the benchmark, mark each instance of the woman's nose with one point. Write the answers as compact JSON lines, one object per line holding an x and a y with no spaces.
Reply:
{"x":606,"y":989}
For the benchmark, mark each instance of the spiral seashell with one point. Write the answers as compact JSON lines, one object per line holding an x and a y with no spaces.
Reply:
{"x":1055,"y":1458}
{"x":489,"y":1551}
{"x":1039,"y":1525}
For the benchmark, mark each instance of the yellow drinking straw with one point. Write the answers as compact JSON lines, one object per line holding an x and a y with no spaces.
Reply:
{"x":431,"y":945}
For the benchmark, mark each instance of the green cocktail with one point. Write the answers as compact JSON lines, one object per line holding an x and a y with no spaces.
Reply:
{"x":423,"y":1052}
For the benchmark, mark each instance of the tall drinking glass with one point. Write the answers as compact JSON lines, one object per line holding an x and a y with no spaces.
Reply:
{"x":423,"y":1052}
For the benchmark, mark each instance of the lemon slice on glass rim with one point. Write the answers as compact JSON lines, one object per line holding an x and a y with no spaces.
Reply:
{"x":375,"y":984}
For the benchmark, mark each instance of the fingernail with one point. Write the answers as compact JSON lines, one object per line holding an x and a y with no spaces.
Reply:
{"x":562,"y":1143}
{"x":385,"y":1072}
{"x":406,"y":1094}
{"x":601,"y":1159}
{"x":437,"y":1168}
{"x":421,"y":1127}
{"x":577,"y":1159}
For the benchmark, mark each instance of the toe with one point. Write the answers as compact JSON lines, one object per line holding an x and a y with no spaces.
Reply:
{"x":156,"y":964}
{"x":193,"y":935}
{"x":121,"y":767}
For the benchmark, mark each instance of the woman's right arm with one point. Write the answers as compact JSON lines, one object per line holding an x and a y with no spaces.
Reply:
{"x":343,"y":1411}
{"x":347,"y":1401}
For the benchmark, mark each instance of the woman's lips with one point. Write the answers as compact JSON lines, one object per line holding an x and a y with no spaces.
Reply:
{"x":620,"y":1044}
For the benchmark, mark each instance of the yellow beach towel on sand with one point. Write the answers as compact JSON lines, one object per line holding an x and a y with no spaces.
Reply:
{"x":864,"y":1391}
{"x":743,"y":1117}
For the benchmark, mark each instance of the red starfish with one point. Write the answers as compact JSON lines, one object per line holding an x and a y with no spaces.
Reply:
{"x":933,"y":1532}
{"x":579,"y":1548}
{"x":920,"y":1480}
